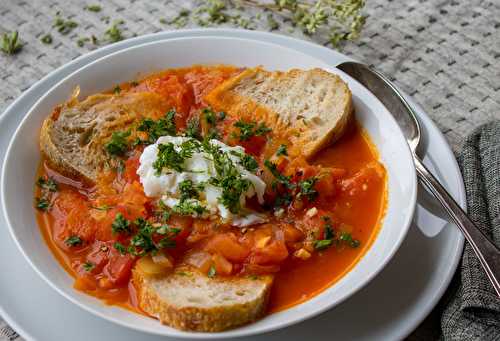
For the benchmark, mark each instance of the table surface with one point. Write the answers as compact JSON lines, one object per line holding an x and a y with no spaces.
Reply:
{"x":444,"y":53}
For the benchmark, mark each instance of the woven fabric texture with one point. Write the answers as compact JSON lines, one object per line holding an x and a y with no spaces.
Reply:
{"x":472,"y":308}
{"x":444,"y":53}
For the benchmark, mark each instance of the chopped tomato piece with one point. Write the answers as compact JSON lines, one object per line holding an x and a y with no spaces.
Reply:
{"x":131,"y":166}
{"x":227,"y":245}
{"x":254,"y":145}
{"x":291,"y":234}
{"x":258,"y":269}
{"x":99,"y":255}
{"x":273,"y":253}
{"x":222,"y":265}
{"x":365,"y":177}
{"x":119,"y":267}
{"x":72,"y":218}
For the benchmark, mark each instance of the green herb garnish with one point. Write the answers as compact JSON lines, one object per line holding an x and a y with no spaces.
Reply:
{"x":279,"y":178}
{"x":120,"y":224}
{"x":120,"y":248}
{"x":169,"y":157}
{"x":307,"y":188}
{"x":188,"y":190}
{"x":323,"y":244}
{"x":42,"y":204}
{"x":156,"y":129}
{"x":73,"y":241}
{"x":193,"y":128}
{"x":228,"y":178}
{"x":249,"y":129}
{"x":282,"y":150}
{"x":117,"y":90}
{"x":118,"y":143}
{"x":212,"y":272}
{"x":189,"y":207}
{"x":88,"y":266}
{"x":249,"y":163}
{"x":47,"y":183}
{"x":142,"y":243}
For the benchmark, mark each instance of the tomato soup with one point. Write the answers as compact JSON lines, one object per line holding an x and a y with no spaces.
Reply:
{"x":316,"y":218}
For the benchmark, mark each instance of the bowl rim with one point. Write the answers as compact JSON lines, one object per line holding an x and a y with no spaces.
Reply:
{"x":236,"y":332}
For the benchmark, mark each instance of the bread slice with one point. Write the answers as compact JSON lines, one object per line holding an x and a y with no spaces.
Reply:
{"x":73,"y":137}
{"x":312,"y":107}
{"x":190,"y":300}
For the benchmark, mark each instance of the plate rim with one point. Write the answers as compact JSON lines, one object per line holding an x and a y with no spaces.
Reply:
{"x":294,"y":317}
{"x":248,"y":34}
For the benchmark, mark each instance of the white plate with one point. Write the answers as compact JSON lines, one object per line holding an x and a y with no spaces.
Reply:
{"x":402,"y":311}
{"x":22,"y":156}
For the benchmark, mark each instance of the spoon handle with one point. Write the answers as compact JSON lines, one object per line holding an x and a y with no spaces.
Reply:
{"x":487,"y":253}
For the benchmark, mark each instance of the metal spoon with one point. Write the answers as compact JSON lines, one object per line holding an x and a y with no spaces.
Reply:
{"x":487,"y":253}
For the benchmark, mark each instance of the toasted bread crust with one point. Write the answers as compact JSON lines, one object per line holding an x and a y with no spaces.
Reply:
{"x":311,"y":108}
{"x":73,"y":138}
{"x":201,"y":319}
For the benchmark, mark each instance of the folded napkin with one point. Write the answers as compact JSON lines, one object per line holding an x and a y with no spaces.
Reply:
{"x":471,"y":308}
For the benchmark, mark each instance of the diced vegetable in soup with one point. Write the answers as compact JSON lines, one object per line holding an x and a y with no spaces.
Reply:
{"x":219,"y":193}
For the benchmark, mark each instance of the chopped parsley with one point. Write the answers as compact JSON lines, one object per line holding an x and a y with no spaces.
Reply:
{"x":249,"y":129}
{"x":155,"y":129}
{"x":73,"y":241}
{"x":228,"y":179}
{"x":279,"y":178}
{"x":249,"y":163}
{"x":211,"y":118}
{"x":189,"y":207}
{"x":169,"y":157}
{"x":118,"y":144}
{"x":282,"y":150}
{"x":329,"y":233}
{"x":162,"y":213}
{"x":120,"y":248}
{"x":330,"y":238}
{"x":188,"y":190}
{"x":323,"y":244}
{"x":212,"y":272}
{"x":347,"y":238}
{"x":47,"y":183}
{"x":193,"y":128}
{"x":88,"y":266}
{"x":143,"y":243}
{"x":120,"y":224}
{"x":42,"y":204}
{"x":307,"y":188}
{"x":116,"y":89}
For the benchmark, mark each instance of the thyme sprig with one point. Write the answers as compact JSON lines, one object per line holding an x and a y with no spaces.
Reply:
{"x":11,"y":43}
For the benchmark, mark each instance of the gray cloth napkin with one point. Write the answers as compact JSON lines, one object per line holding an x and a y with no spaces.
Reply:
{"x":471,"y":309}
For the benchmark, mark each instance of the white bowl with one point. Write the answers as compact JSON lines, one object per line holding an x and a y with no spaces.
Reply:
{"x":23,"y":155}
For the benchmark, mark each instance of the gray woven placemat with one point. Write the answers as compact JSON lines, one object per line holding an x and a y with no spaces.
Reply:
{"x":445,"y":53}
